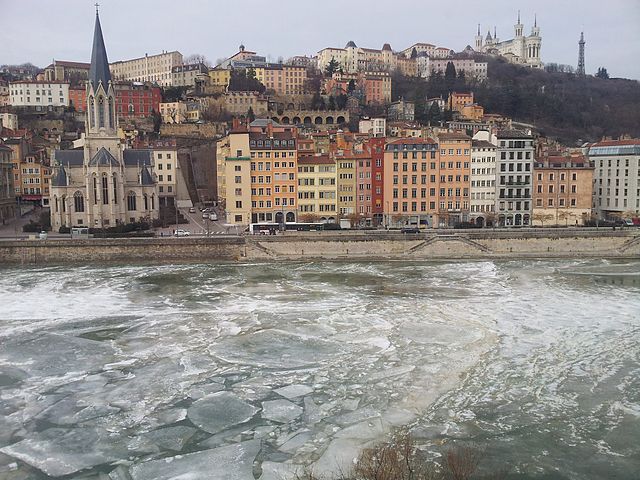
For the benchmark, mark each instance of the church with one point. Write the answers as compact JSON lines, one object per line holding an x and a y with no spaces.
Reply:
{"x":522,"y":50}
{"x":104,"y":184}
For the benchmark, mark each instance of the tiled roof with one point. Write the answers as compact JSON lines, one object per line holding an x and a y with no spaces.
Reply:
{"x":316,"y":160}
{"x":140,"y":157}
{"x":145,"y":177}
{"x":69,"y":157}
{"x":617,"y":143}
{"x":482,"y":144}
{"x":103,"y":158}
{"x":60,"y":178}
{"x":513,"y":134}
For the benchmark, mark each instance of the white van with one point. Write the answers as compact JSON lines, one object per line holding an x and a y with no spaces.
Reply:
{"x":213,"y":217}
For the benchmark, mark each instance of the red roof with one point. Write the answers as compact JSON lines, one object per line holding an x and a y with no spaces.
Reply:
{"x":412,"y":141}
{"x":316,"y":160}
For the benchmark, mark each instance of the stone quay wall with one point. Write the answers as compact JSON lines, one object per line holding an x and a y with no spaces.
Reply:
{"x":328,"y":246}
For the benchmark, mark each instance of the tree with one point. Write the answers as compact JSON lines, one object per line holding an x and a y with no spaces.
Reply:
{"x":332,"y":103}
{"x":250,"y":115}
{"x":542,"y":217}
{"x":351,"y":86}
{"x":414,"y":53}
{"x":242,"y":81}
{"x":450,"y":76}
{"x":157,"y":120}
{"x":602,"y":73}
{"x":434,"y":114}
{"x":331,"y":67}
{"x":197,"y":58}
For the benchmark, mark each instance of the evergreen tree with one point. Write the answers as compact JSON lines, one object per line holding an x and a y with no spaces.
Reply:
{"x":602,"y":73}
{"x":414,"y":53}
{"x":450,"y":76}
{"x":331,"y":67}
{"x":351,"y":86}
{"x":250,"y":115}
{"x":332,"y":103}
{"x":341,"y":101}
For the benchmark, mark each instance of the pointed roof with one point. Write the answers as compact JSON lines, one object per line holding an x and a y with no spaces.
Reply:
{"x":60,"y":180}
{"x":99,"y":69}
{"x":351,"y":44}
{"x":489,"y":35}
{"x":103,"y":159}
{"x":145,"y":176}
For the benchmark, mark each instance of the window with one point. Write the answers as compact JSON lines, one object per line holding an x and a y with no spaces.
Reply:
{"x":238,"y":203}
{"x":78,"y":202}
{"x":131,"y":201}
{"x":105,"y":190}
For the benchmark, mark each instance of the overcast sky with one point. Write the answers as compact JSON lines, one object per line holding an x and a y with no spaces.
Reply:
{"x":39,"y":30}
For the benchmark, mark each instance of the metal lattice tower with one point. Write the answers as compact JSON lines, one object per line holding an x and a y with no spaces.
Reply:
{"x":581,"y":55}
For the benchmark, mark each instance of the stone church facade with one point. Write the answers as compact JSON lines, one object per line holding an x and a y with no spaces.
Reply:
{"x":522,"y":49}
{"x":104,"y":184}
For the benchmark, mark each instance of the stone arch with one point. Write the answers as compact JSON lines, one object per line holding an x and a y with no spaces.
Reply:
{"x":307,"y":120}
{"x":318,"y":120}
{"x":279,"y":216}
{"x":329,"y":120}
{"x":78,"y":202}
{"x":285,"y":120}
{"x":296,"y":120}
{"x":518,"y":219}
{"x":340,"y":119}
{"x":131,"y":201}
{"x":291,"y":217}
{"x":275,"y":119}
{"x":480,"y":222}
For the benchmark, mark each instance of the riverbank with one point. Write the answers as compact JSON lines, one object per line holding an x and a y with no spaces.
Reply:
{"x":449,"y":245}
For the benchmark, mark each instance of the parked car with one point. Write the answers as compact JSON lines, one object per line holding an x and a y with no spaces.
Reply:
{"x":192,"y":210}
{"x":410,"y":230}
{"x":205,"y":215}
{"x":181,"y":233}
{"x":213,"y":217}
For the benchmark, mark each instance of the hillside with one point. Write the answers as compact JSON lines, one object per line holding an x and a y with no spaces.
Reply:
{"x":565,"y":106}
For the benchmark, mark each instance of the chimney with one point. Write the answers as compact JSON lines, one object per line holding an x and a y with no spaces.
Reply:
{"x":270,"y":128}
{"x":236,"y":124}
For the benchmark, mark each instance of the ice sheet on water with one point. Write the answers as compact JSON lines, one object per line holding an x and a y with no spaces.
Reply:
{"x":70,"y":410}
{"x":170,"y":438}
{"x":282,"y":411}
{"x":219,"y":411}
{"x":58,"y":452}
{"x":233,"y":462}
{"x":52,"y":354}
{"x":275,"y":349}
{"x":294,"y":391}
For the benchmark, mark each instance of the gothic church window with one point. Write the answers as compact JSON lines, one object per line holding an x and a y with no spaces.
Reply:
{"x":115,"y":189}
{"x":95,"y":190}
{"x":101,"y":111}
{"x":78,"y":202}
{"x":92,"y":113}
{"x":111,"y":117}
{"x":105,"y":190}
{"x":131,"y":201}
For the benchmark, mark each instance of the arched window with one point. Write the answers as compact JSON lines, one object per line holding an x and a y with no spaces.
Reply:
{"x":153,"y":202}
{"x":92,"y":112}
{"x":78,"y":202}
{"x":131,"y":201}
{"x":111,"y":117}
{"x":115,"y":189}
{"x":95,"y":190}
{"x":101,"y":111}
{"x":64,"y":204}
{"x":55,"y":198}
{"x":105,"y":190}
{"x":146,"y":201}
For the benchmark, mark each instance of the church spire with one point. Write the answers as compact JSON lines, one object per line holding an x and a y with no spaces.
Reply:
{"x":99,"y":70}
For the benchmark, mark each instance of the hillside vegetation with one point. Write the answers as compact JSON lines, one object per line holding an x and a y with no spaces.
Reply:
{"x":564,"y":106}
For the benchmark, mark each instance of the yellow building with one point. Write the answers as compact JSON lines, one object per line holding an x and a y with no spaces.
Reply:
{"x":234,"y":176}
{"x":220,"y":77}
{"x":283,"y":79}
{"x":346,"y":179}
{"x":317,"y":188}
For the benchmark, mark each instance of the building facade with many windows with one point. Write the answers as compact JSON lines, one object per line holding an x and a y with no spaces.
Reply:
{"x":317,"y":189}
{"x":39,"y":95}
{"x":483,"y":182}
{"x":514,"y":186}
{"x":616,"y":177}
{"x":150,"y":68}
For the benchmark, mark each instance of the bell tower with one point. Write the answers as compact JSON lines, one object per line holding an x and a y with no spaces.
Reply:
{"x":101,"y":120}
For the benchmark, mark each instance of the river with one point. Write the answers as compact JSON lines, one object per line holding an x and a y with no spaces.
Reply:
{"x":263,"y":369}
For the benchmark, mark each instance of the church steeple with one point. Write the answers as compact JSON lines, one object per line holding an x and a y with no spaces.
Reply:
{"x":101,"y":118}
{"x":99,"y":71}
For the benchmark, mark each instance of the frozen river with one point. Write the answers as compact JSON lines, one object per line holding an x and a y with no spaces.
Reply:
{"x":150,"y":372}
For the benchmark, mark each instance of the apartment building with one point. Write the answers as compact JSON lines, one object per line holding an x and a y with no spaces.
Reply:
{"x":514,"y":186}
{"x":282,"y":79}
{"x":562,"y":190}
{"x":376,"y":127}
{"x":376,"y":150}
{"x":317,"y":189}
{"x":616,"y":182}
{"x":132,"y":99}
{"x":150,"y":68}
{"x":186,"y":75}
{"x":411,"y":169}
{"x":346,"y":179}
{"x":483,"y":182}
{"x":454,"y":178}
{"x":39,"y":95}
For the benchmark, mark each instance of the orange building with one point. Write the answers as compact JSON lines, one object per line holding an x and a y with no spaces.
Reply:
{"x":375,"y":87}
{"x":562,"y":190}
{"x":453,"y":178}
{"x":411,"y":169}
{"x":283,"y":79}
{"x":274,"y":167}
{"x":458,"y":100}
